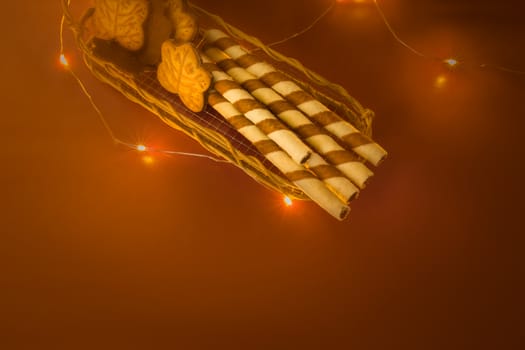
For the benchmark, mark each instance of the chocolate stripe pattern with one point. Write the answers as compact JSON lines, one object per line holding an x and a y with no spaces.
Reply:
{"x":329,"y":174}
{"x":257,"y":113}
{"x":347,"y":162}
{"x":296,"y":173}
{"x":305,"y":102}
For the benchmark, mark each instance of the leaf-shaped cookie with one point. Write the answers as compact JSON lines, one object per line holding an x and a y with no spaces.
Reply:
{"x":181,"y":72}
{"x":121,"y":20}
{"x":184,"y":22}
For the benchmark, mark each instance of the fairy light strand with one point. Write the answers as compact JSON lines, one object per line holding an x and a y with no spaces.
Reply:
{"x":450,"y":62}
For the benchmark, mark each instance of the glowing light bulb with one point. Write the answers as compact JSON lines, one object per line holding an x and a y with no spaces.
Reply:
{"x":63,"y":61}
{"x":288,"y":201}
{"x":141,"y":148}
{"x":451,"y":62}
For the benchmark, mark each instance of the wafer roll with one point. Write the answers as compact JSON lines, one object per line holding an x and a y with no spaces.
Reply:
{"x":257,"y":113}
{"x":304,"y":101}
{"x":333,"y":178}
{"x":347,"y":162}
{"x":296,"y":173}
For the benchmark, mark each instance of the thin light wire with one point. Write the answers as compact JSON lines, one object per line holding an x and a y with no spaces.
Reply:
{"x":103,"y":119}
{"x":62,"y":22}
{"x":95,"y":107}
{"x":393,"y":32}
{"x":397,"y":38}
{"x":308,"y":28}
{"x":420,"y":54}
{"x":170,"y":152}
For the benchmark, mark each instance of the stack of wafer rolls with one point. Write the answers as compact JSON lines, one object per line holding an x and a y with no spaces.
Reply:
{"x":343,"y":130}
{"x":346,"y":161}
{"x":256,"y":113}
{"x":315,"y":149}
{"x":296,"y":173}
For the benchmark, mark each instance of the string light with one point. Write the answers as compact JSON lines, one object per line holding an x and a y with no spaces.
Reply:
{"x":287,"y":201}
{"x":141,"y":148}
{"x":449,"y":62}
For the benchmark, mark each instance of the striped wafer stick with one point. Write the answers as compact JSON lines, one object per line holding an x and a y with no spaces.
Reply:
{"x":330,"y":175}
{"x":257,"y":113}
{"x":304,"y":101}
{"x":347,"y":162}
{"x":296,"y":173}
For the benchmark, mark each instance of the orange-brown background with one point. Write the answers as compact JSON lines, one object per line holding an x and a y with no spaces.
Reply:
{"x":99,"y":250}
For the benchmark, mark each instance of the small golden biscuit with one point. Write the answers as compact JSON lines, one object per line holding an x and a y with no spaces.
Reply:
{"x":184,"y":22}
{"x":121,"y":20}
{"x":181,"y":72}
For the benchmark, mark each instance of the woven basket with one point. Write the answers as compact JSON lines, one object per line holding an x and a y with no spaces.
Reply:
{"x":207,"y":127}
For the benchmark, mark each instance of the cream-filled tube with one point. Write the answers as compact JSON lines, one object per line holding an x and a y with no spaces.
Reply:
{"x":296,"y":173}
{"x":257,"y":113}
{"x":304,"y":101}
{"x":332,"y":177}
{"x":345,"y":161}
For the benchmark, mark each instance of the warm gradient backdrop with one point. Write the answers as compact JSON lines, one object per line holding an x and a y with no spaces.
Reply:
{"x":99,"y":250}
